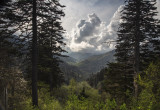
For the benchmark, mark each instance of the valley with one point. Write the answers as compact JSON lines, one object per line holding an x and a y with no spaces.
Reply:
{"x":81,"y":68}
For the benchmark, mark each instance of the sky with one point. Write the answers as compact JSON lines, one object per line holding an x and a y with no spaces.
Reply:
{"x":91,"y":23}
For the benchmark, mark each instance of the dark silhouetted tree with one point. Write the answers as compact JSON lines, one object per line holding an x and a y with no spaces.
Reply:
{"x":38,"y":24}
{"x":137,"y":36}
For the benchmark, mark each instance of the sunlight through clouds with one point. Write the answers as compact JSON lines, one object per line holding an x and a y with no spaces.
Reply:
{"x":90,"y":34}
{"x":88,"y":27}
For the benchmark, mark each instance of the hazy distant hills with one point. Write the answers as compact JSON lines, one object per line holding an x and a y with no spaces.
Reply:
{"x":69,"y":60}
{"x":79,"y":56}
{"x":71,"y":71}
{"x":95,"y":63}
{"x":81,"y":69}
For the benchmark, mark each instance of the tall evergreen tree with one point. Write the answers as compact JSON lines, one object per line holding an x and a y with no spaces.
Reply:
{"x":47,"y":14}
{"x":50,"y":45}
{"x":118,"y":83}
{"x":137,"y":36}
{"x":10,"y":52}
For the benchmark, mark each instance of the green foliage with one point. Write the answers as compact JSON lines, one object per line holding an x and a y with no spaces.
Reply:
{"x":72,"y":86}
{"x":146,"y":100}
{"x":123,"y":107}
{"x":70,"y":97}
{"x":92,"y":100}
{"x":111,"y":104}
{"x":75,"y":103}
{"x":81,"y":96}
{"x":46,"y":102}
{"x":118,"y":83}
{"x":95,"y":80}
{"x":61,"y":94}
{"x":149,"y":84}
{"x":156,"y":106}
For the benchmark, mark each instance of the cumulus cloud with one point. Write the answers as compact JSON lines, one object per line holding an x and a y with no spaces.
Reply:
{"x":85,"y":29}
{"x":78,"y":9}
{"x":90,"y":34}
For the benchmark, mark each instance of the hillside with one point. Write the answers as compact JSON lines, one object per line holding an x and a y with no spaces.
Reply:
{"x":81,"y":70}
{"x":79,"y":56}
{"x":69,"y":60}
{"x":97,"y":62}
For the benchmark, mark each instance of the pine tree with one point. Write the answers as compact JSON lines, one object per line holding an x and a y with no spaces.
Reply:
{"x":10,"y":54}
{"x":47,"y":14}
{"x":137,"y":35}
{"x":117,"y":83}
{"x":50,"y":42}
{"x":41,"y":19}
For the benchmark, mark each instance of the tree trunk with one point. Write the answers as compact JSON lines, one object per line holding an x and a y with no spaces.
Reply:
{"x":137,"y":49}
{"x":12,"y":95}
{"x":34,"y":56}
{"x":51,"y":84}
{"x":136,"y":66}
{"x":5,"y":98}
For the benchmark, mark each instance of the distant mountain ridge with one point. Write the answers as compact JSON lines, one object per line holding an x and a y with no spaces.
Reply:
{"x":69,"y":60}
{"x":97,"y":62}
{"x":82,"y":69}
{"x":79,"y":56}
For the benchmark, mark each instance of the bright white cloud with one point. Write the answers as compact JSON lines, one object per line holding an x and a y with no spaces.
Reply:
{"x":91,"y":34}
{"x":78,"y":9}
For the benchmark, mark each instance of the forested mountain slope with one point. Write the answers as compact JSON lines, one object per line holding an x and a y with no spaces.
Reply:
{"x":81,"y":70}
